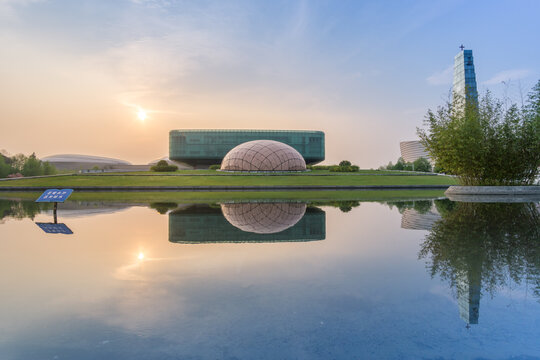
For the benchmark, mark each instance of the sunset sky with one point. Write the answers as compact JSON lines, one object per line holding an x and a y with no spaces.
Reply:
{"x":74,"y":74}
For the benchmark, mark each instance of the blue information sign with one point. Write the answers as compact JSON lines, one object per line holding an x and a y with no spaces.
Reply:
{"x":52,"y":228}
{"x":55,"y":195}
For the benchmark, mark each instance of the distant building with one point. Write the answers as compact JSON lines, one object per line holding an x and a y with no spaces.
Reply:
{"x":76,"y":162}
{"x":413,"y":150}
{"x":201,"y":148}
{"x":79,"y":162}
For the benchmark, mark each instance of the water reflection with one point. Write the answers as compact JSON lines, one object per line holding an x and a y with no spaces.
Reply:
{"x":16,"y":209}
{"x":246,"y":222}
{"x":263,"y":218}
{"x":481,"y":247}
{"x":118,"y":289}
{"x":417,"y":215}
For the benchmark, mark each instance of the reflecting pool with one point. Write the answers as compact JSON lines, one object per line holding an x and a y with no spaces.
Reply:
{"x":413,"y":279}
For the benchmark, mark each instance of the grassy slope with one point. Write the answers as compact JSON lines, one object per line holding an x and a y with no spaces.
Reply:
{"x":189,"y":197}
{"x":229,"y":180}
{"x":306,"y":173}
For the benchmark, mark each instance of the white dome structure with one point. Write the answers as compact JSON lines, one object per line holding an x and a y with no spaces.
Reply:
{"x":77,"y":158}
{"x":81,"y":162}
{"x":263,"y":218}
{"x":263,"y":155}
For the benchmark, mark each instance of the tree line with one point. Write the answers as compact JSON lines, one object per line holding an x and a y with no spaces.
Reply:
{"x":21,"y":165}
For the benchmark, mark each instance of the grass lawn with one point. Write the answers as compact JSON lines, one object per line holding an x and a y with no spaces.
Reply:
{"x":229,"y":180}
{"x":300,"y":173}
{"x":217,"y":196}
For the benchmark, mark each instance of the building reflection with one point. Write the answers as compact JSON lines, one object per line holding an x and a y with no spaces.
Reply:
{"x":481,"y":247}
{"x":247,"y":222}
{"x":412,"y":219}
{"x":469,"y":289}
{"x":417,"y":214}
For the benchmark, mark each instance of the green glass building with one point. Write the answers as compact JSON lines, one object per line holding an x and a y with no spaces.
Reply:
{"x":201,"y":148}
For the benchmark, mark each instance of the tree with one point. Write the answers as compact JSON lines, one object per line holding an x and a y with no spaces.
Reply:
{"x":17,"y":162}
{"x":484,"y":143}
{"x":5,"y":169}
{"x":422,"y":164}
{"x":344,"y":163}
{"x":48,"y":168}
{"x":32,"y":166}
{"x":400,"y":164}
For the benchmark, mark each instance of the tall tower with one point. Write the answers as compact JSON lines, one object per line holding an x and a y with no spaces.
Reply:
{"x":464,"y":76}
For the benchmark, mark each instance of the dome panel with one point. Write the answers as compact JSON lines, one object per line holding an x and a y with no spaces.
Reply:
{"x":263,"y":155}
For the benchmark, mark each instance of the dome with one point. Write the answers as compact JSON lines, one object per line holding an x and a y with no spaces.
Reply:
{"x":263,"y":155}
{"x":263,"y":218}
{"x":77,"y":158}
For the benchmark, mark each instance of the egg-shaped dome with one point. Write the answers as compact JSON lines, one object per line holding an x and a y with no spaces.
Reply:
{"x":263,"y":155}
{"x":263,"y":218}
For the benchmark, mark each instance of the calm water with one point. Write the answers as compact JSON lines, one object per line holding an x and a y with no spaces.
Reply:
{"x":396,"y":280}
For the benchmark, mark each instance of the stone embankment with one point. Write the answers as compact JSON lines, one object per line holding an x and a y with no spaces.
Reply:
{"x":494,"y":193}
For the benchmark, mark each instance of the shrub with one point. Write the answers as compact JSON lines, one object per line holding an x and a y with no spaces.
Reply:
{"x":422,"y":164}
{"x":344,"y":163}
{"x":486,"y":143}
{"x":348,"y":168}
{"x":163,"y":166}
{"x":215,"y":167}
{"x":320,"y":167}
{"x":334,"y":168}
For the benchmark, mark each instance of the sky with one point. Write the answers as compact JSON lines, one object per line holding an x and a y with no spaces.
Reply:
{"x":74,"y":74}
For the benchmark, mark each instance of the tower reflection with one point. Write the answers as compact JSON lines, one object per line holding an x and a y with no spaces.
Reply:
{"x":481,"y":247}
{"x":247,"y":222}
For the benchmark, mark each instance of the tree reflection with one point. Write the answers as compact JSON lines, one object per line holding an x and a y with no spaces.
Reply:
{"x":480,"y":247}
{"x":21,"y":209}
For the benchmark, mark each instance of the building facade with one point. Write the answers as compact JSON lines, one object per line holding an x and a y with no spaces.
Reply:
{"x":465,"y":76}
{"x":201,"y":148}
{"x":413,"y":150}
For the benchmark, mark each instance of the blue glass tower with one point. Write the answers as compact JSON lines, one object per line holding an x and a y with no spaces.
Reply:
{"x":464,"y":76}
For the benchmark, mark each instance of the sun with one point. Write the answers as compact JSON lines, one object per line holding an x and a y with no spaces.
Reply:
{"x":141,"y":115}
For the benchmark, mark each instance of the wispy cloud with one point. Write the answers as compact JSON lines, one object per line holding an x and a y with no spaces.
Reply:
{"x":506,"y":75}
{"x":443,"y":77}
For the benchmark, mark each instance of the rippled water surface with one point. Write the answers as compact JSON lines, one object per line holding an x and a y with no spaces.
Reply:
{"x":382,"y":280}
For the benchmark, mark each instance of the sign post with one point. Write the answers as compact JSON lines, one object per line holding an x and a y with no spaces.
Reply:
{"x":55,"y":196}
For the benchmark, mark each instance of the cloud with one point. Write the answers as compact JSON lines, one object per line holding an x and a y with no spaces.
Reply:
{"x":506,"y":75}
{"x":443,"y":77}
